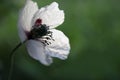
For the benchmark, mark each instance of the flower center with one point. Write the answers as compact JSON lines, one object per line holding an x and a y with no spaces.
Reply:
{"x":40,"y":32}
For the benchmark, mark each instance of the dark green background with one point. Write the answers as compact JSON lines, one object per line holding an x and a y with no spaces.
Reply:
{"x":93,"y":27}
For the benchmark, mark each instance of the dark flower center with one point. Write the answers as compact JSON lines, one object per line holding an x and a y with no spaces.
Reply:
{"x":40,"y":30}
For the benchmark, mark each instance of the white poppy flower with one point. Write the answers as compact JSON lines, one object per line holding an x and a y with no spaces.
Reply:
{"x":36,"y":27}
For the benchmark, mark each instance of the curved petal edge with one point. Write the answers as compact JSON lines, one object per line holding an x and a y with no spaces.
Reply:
{"x":50,"y":15}
{"x":25,"y":17}
{"x":59,"y":48}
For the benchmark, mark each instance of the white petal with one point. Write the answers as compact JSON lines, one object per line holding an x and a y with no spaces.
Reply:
{"x":25,"y":18}
{"x":36,"y":50}
{"x":50,"y":15}
{"x":60,"y":47}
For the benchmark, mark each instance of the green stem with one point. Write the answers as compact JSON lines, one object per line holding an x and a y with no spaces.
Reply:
{"x":12,"y":60}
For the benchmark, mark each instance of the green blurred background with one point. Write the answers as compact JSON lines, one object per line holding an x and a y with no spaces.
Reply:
{"x":93,"y":27}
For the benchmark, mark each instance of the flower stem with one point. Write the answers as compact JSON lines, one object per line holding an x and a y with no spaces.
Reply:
{"x":12,"y":54}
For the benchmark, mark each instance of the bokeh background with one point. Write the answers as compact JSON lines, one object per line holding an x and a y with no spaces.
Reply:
{"x":93,"y":27}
